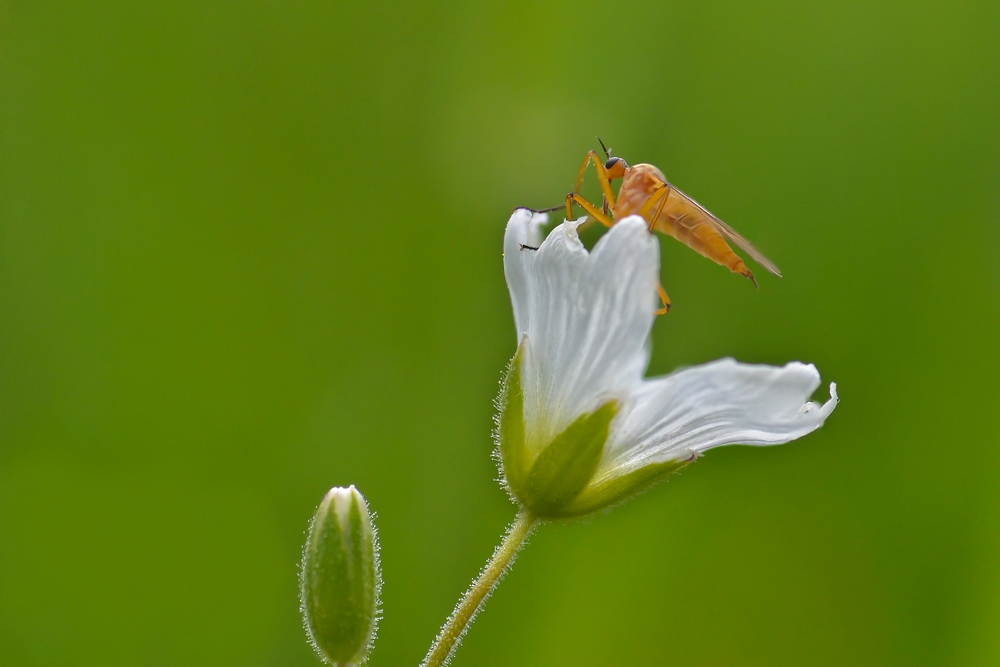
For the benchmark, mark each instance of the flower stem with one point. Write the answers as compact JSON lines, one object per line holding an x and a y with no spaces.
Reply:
{"x":457,"y":624}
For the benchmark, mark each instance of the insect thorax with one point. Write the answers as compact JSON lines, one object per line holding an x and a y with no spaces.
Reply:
{"x":639,"y":183}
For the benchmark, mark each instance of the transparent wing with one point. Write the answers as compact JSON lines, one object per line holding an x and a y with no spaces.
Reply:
{"x":732,"y":235}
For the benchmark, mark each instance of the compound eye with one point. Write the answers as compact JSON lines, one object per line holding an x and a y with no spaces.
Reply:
{"x":611,"y":163}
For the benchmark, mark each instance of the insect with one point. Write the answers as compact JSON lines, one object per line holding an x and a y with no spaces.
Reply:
{"x":646,"y":192}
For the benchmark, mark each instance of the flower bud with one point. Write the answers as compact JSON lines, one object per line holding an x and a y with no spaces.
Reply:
{"x":340,"y":579}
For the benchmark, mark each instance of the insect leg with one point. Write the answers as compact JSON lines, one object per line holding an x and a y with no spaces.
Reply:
{"x":602,"y":177}
{"x":592,"y":210}
{"x":658,"y":198}
{"x":538,"y":210}
{"x":664,"y":299}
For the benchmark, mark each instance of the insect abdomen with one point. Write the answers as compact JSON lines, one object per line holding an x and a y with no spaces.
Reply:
{"x":689,"y":226}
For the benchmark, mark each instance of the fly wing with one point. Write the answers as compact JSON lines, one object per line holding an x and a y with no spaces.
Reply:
{"x":732,"y":235}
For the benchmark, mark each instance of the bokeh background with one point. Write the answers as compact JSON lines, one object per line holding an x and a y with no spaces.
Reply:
{"x":249,"y":251}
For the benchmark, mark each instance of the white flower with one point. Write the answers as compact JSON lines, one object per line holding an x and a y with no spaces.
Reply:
{"x":579,"y":427}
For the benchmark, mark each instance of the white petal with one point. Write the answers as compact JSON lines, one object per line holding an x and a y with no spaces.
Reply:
{"x":586,"y":317}
{"x":720,"y":403}
{"x":515,"y":265}
{"x":535,"y":235}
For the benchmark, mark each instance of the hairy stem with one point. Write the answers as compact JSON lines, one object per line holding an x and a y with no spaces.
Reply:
{"x":453,"y":630}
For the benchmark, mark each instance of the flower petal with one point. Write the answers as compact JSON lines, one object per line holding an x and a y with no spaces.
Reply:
{"x":721,"y":403}
{"x":516,"y":261}
{"x":535,"y":233}
{"x":586,"y":316}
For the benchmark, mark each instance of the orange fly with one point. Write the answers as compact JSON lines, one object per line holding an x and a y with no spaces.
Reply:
{"x":645,"y":191}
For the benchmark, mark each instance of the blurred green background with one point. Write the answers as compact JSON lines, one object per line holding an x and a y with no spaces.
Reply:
{"x":252,"y":250}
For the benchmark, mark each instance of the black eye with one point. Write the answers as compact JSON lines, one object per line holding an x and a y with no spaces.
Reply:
{"x":611,"y":163}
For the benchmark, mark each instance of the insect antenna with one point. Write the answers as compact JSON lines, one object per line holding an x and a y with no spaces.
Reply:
{"x":607,"y":151}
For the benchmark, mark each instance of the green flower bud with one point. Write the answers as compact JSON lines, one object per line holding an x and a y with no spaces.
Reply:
{"x":340,"y":579}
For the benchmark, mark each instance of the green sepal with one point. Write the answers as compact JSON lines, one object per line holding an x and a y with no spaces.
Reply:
{"x":340,"y":579}
{"x":619,"y":488}
{"x":514,"y":455}
{"x":567,"y":464}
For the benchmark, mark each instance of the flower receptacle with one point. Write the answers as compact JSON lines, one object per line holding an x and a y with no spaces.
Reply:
{"x":617,"y":488}
{"x":566,"y":465}
{"x":562,"y":479}
{"x":546,"y":479}
{"x":339,"y":583}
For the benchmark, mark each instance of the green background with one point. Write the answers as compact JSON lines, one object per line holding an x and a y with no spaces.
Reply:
{"x":252,"y":250}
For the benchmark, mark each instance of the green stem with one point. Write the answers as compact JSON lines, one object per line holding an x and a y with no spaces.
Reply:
{"x":451,"y":633}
